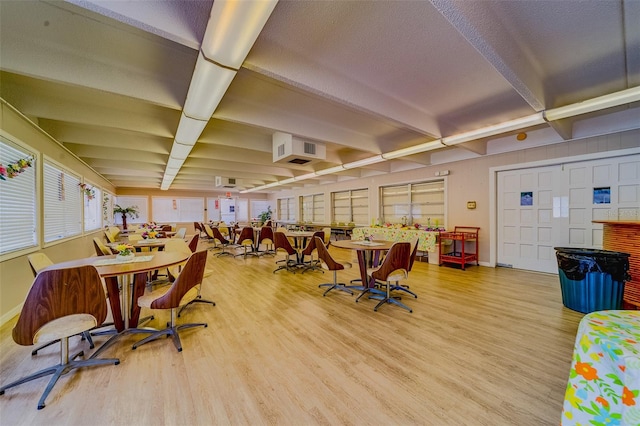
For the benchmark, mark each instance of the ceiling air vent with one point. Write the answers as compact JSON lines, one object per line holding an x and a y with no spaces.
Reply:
{"x":288,"y":149}
{"x":223,"y":182}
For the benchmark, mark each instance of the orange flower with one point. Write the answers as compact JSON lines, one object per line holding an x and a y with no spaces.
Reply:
{"x":603,"y":401}
{"x":628,"y":398}
{"x":586,"y":371}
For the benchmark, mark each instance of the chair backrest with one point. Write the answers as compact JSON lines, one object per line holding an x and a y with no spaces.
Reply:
{"x":57,"y":293}
{"x":197,"y":227}
{"x":269,"y":223}
{"x":38,"y":261}
{"x":181,"y":233}
{"x":327,"y":235}
{"x":311,"y":245}
{"x":266,"y":233}
{"x":115,"y":232}
{"x":166,"y":228}
{"x":193,"y":244}
{"x":177,"y":245}
{"x":109,"y":236}
{"x":216,"y":234}
{"x":101,"y":249}
{"x":326,"y":260}
{"x":395,"y":264}
{"x":191,"y":276}
{"x":414,"y":252}
{"x":246,"y":236}
{"x":281,"y":242}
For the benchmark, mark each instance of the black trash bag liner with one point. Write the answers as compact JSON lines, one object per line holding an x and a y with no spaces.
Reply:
{"x":577,"y":262}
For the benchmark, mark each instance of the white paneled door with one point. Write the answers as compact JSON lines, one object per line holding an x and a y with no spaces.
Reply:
{"x":545,"y":207}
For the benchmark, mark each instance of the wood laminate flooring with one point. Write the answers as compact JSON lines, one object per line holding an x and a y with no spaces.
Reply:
{"x":484,"y":346}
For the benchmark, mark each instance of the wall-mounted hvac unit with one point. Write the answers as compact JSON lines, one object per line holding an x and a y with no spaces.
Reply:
{"x":289,"y":149}
{"x":224,"y":182}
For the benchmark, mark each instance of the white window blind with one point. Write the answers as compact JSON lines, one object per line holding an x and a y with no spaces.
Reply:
{"x":92,"y":208}
{"x":313,"y":208}
{"x":172,"y":210}
{"x":62,"y":203}
{"x":17,"y":202}
{"x":351,"y":206}
{"x":142,"y":204}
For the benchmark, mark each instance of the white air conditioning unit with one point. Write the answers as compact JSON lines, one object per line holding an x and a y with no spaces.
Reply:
{"x":288,"y":149}
{"x":224,"y":182}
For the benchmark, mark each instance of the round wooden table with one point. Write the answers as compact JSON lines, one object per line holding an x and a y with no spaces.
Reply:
{"x":127,"y":315}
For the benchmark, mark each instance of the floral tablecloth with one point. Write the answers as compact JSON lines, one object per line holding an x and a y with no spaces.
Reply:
{"x":604,"y":381}
{"x":426,"y":241}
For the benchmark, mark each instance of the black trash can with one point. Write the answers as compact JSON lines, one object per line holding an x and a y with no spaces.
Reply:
{"x":592,"y":279}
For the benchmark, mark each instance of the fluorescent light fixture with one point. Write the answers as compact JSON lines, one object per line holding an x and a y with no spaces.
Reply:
{"x":189,"y":130}
{"x":331,"y":170}
{"x":596,"y":104}
{"x":423,"y":147}
{"x":233,"y":28}
{"x":305,"y":177}
{"x":364,"y":162}
{"x":179,"y":151}
{"x":496,"y":129}
{"x":208,"y":85}
{"x":286,"y":181}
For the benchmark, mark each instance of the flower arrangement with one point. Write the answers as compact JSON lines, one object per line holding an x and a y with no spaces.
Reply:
{"x":14,"y":169}
{"x":149,"y":234}
{"x":124,"y":249}
{"x":89,"y":192}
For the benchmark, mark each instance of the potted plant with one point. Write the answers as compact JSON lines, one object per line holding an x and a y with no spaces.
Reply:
{"x":265,"y":216}
{"x":131,"y":211}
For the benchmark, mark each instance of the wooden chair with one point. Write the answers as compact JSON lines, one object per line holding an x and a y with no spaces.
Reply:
{"x":61,"y":303}
{"x":308,"y":251}
{"x":266,"y":238}
{"x":193,"y":243}
{"x":282,"y":244}
{"x":245,"y":241}
{"x":183,"y":290}
{"x":101,"y":248}
{"x":217,"y":236}
{"x":178,"y":245}
{"x":327,"y":262}
{"x":392,"y":270}
{"x":181,"y":233}
{"x":39,"y":261}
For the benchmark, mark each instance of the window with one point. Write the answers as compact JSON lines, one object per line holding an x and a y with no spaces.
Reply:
{"x":258,"y":207}
{"x":142,"y":204}
{"x":62,"y":203}
{"x":313,"y":208}
{"x":17,"y":201}
{"x":286,"y":211}
{"x":351,"y":206}
{"x":92,"y":207}
{"x":173,"y":210}
{"x":421,"y":203}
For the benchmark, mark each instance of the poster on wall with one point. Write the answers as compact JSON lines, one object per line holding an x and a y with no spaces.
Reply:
{"x":526,"y":198}
{"x":602,"y":195}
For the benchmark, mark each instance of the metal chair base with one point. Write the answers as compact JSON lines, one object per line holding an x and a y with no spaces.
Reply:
{"x":198,"y":299}
{"x":59,"y":370}
{"x":169,"y":331}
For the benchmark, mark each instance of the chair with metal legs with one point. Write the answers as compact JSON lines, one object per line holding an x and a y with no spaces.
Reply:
{"x":266,"y":238}
{"x":246,"y":241}
{"x":61,"y":303}
{"x":393,"y":269}
{"x":282,"y":244}
{"x":217,"y":236}
{"x":330,"y":264}
{"x":182,"y":291}
{"x":313,"y":264}
{"x":39,"y":261}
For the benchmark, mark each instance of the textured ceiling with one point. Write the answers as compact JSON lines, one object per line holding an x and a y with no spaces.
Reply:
{"x":108,"y":79}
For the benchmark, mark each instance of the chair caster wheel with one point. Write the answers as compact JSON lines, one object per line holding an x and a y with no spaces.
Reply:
{"x":117,"y":363}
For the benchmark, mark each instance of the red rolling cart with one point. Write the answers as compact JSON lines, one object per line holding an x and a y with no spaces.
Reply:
{"x":460,"y":236}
